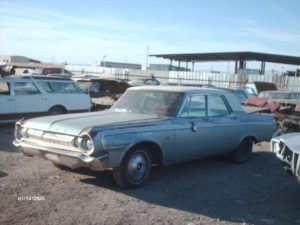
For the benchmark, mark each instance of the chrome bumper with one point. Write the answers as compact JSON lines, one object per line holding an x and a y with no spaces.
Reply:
{"x":63,"y":157}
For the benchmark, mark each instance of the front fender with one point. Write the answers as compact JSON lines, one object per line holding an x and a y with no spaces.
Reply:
{"x":118,"y":144}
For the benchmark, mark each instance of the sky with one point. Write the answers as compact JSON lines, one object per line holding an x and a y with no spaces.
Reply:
{"x":86,"y":31}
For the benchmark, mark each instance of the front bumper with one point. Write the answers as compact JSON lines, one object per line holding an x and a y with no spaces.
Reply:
{"x":63,"y":157}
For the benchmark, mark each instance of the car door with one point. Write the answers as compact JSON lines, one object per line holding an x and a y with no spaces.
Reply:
{"x":7,"y":101}
{"x":193,"y":136}
{"x":223,"y":123}
{"x":29,"y":99}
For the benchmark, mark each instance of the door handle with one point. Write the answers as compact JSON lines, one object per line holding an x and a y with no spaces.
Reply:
{"x":10,"y":100}
{"x":194,"y":127}
{"x":44,"y":99}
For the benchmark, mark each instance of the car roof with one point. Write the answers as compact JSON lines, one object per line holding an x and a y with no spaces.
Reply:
{"x":233,"y":101}
{"x":182,"y":89}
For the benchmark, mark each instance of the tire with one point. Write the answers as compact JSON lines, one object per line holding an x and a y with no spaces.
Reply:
{"x":56,"y":110}
{"x":244,"y":151}
{"x":134,"y":168}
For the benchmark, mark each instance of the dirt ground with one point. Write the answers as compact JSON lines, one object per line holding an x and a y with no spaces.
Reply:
{"x":203,"y":192}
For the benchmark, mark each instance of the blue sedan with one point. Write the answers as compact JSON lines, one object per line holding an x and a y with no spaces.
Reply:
{"x":147,"y":126}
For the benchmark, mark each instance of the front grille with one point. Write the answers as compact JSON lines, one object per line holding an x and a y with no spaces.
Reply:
{"x":50,"y":139}
{"x":291,"y":159}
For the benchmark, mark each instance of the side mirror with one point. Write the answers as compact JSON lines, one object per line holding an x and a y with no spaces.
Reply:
{"x":232,"y":116}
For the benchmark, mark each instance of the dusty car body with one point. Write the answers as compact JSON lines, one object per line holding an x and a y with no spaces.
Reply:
{"x":287,"y":149}
{"x":147,"y":126}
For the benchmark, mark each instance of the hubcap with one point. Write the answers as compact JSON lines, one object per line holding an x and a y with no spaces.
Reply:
{"x":137,"y":166}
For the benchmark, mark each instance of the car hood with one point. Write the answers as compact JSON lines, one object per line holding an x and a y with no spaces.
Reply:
{"x":291,"y":140}
{"x":73,"y":124}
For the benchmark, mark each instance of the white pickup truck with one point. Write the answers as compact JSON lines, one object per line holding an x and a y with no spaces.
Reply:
{"x":29,"y":96}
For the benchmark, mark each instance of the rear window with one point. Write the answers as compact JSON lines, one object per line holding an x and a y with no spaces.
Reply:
{"x":59,"y":87}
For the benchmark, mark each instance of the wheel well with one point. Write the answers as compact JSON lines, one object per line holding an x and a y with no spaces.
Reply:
{"x":254,"y":139}
{"x":155,"y":151}
{"x":58,"y":107}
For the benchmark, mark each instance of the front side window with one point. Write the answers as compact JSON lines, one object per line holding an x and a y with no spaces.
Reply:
{"x":58,"y":87}
{"x":217,"y":106}
{"x":25,"y":88}
{"x":194,"y":106}
{"x":4,"y":88}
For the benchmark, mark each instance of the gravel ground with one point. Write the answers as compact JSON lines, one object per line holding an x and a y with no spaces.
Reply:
{"x":207,"y":191}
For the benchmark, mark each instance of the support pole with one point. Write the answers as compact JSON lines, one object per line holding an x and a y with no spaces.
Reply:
{"x":236,"y":67}
{"x":193,"y":64}
{"x":242,"y":63}
{"x":170,"y":68}
{"x":263,"y":67}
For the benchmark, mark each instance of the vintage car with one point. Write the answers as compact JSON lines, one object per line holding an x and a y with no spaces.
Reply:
{"x":141,"y":82}
{"x":147,"y":126}
{"x":287,"y":149}
{"x":28,"y":96}
{"x":104,"y":92}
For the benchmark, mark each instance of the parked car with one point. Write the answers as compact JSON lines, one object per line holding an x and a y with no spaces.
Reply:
{"x":142,"y":82}
{"x":258,"y":86}
{"x":23,"y":96}
{"x":97,"y":87}
{"x":287,"y":149}
{"x":104,"y":92}
{"x":147,"y":126}
{"x":280,"y":95}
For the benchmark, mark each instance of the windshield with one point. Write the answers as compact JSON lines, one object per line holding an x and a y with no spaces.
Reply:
{"x":161,"y":103}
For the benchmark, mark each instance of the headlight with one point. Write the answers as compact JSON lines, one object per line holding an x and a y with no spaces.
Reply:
{"x":18,"y":134}
{"x":276,"y":147}
{"x":24,"y":132}
{"x":77,"y":142}
{"x":86,"y":144}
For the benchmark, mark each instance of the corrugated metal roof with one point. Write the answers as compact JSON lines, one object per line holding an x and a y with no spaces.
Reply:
{"x":231,"y":56}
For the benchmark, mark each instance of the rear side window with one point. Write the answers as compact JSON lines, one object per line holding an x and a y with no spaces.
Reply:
{"x":25,"y":88}
{"x":217,"y":106}
{"x":4,"y":88}
{"x":59,"y":87}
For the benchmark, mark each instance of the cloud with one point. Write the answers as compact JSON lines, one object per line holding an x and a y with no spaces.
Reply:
{"x":248,"y":28}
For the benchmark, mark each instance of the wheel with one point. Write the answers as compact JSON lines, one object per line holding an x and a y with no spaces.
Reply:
{"x":134,"y":168}
{"x":56,"y":110}
{"x":244,"y":151}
